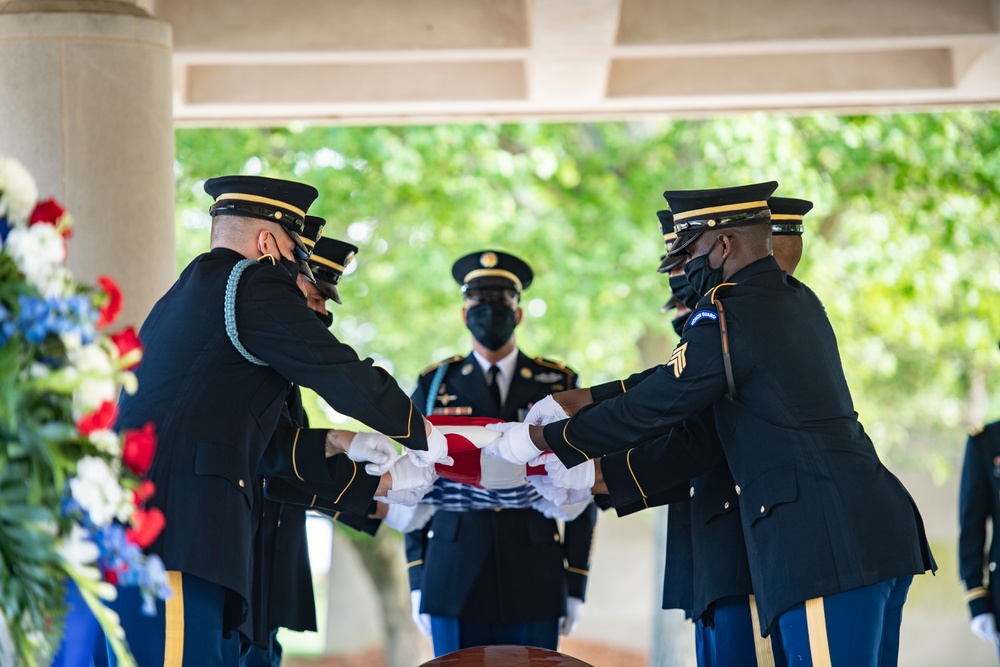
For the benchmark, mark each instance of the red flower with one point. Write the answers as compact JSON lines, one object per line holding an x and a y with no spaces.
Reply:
{"x":129,"y":347}
{"x":146,"y":527}
{"x":98,"y":420}
{"x":111,"y":576}
{"x":48,"y":212}
{"x":138,"y":449}
{"x":143,"y":492}
{"x":112,"y":305}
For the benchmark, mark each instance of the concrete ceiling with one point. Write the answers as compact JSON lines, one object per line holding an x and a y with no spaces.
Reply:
{"x":416,"y":61}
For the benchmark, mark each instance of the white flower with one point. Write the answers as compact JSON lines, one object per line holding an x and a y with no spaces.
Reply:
{"x":107,"y":442}
{"x":78,"y":549}
{"x":39,"y":251}
{"x":95,"y":369}
{"x":18,"y":191}
{"x":97,"y":490}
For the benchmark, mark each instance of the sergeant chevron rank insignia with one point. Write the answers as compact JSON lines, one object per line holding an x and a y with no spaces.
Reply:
{"x":678,"y":359}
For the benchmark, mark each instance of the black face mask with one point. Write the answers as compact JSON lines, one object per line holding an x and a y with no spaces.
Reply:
{"x":679,"y":322}
{"x":491,"y":323}
{"x":702,"y":277}
{"x":681,"y":288}
{"x":291,"y":266}
{"x":327,"y":319}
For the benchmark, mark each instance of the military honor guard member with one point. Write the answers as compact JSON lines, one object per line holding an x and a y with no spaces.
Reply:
{"x":221,"y":349}
{"x":727,"y":630}
{"x":833,"y":538}
{"x":979,"y":505}
{"x":494,"y":573}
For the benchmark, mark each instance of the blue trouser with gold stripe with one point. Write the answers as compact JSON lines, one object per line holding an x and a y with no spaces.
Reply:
{"x":856,"y":628}
{"x":186,"y":630}
{"x":729,"y":636}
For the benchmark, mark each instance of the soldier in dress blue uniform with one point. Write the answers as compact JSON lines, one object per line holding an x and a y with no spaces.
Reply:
{"x":833,"y":538}
{"x":222,"y":347}
{"x":495,"y":576}
{"x":727,"y":630}
{"x":979,"y":505}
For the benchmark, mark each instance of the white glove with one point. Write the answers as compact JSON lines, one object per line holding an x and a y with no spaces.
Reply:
{"x":373,"y":447}
{"x":436,"y":452}
{"x":407,"y":518}
{"x":545,"y":412}
{"x":984,"y":626}
{"x":574,"y":610}
{"x":581,"y":476}
{"x":557,"y":495}
{"x":409,"y":482}
{"x":558,"y":512}
{"x":422,"y":621}
{"x":514,"y":445}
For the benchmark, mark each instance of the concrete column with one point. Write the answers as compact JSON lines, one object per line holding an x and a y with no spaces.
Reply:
{"x":85,"y":104}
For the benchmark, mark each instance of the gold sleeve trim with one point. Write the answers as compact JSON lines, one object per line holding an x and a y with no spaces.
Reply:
{"x":628,"y":462}
{"x":414,"y":563}
{"x":976,"y":593}
{"x":353,"y":475}
{"x":336,"y":516}
{"x":576,"y":570}
{"x":409,"y":425}
{"x":295,"y":465}
{"x":312,"y":503}
{"x":624,"y":388}
{"x":566,"y":426}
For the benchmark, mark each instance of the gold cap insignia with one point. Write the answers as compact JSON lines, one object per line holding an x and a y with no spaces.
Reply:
{"x":350,"y":258}
{"x":488,"y":260}
{"x":277,"y":215}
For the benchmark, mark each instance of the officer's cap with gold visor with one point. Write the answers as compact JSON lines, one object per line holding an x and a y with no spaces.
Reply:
{"x":329,"y":260}
{"x":485,"y":269}
{"x":272,"y":199}
{"x":668,"y":262}
{"x":787,"y":215}
{"x":699,"y":211}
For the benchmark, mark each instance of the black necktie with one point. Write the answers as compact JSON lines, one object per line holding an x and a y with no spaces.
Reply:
{"x":495,"y":387}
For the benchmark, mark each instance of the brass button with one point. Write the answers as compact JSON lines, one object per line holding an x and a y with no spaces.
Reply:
{"x":497,"y":509}
{"x":430,"y":534}
{"x":737,"y":489}
{"x":279,"y":523}
{"x":761,"y":509}
{"x":993,"y":567}
{"x":556,"y":537}
{"x":692,"y":492}
{"x":726,"y":506}
{"x":242,"y":484}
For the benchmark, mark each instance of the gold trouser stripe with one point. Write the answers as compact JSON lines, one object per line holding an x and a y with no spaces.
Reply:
{"x":173,"y":639}
{"x":587,"y":458}
{"x":295,"y":444}
{"x":414,"y":563}
{"x":762,"y":645}
{"x":819,"y":644}
{"x":353,"y":475}
{"x":577,"y":570}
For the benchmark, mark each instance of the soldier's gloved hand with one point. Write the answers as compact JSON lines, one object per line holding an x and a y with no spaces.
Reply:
{"x":409,"y":482}
{"x":436,"y":452}
{"x":545,"y":412}
{"x":558,"y":495}
{"x":574,"y":610}
{"x":984,"y":626}
{"x":422,"y":621}
{"x":514,"y":445}
{"x":373,"y":447}
{"x":577,"y":478}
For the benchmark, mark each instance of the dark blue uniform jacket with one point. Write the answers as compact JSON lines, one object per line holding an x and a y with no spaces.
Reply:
{"x":979,"y":504}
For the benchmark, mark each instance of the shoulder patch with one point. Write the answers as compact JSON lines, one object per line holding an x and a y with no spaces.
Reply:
{"x":702,"y":316}
{"x":434,"y":367}
{"x":976,"y":430}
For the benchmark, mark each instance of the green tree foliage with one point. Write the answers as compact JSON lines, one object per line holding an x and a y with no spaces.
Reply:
{"x":901,"y":247}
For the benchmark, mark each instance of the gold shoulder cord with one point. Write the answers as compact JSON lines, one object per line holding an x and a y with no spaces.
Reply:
{"x":726,"y":359}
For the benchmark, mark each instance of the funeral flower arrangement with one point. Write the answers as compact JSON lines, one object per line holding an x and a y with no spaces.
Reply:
{"x":72,"y":503}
